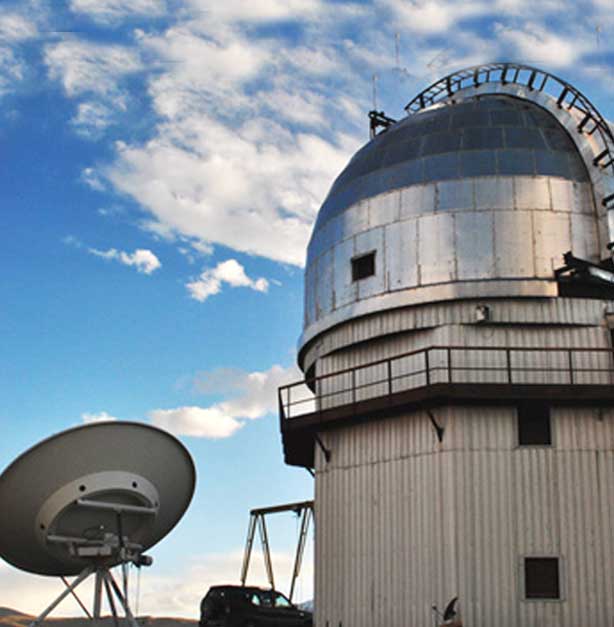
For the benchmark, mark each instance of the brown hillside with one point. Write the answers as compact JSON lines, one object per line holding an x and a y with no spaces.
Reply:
{"x":13,"y":618}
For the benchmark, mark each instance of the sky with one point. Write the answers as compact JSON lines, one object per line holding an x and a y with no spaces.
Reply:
{"x":162,"y":163}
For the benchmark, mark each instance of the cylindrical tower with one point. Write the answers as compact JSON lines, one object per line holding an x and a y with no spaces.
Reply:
{"x":458,"y":406}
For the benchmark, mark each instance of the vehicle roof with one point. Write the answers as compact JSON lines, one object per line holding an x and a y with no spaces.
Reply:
{"x":235,"y":587}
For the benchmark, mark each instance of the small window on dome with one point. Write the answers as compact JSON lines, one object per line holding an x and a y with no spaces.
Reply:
{"x":363,"y":266}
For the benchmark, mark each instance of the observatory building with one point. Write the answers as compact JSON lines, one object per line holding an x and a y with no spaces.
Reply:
{"x":458,"y":402}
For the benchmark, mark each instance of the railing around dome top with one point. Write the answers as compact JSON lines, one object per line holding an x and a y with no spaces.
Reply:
{"x":482,"y":365}
{"x":564,"y":94}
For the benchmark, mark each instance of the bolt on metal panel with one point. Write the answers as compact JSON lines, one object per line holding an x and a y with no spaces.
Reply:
{"x":514,"y":244}
{"x":584,"y":237}
{"x":455,"y":195}
{"x":552,"y":237}
{"x":417,"y":200}
{"x":494,"y":193}
{"x":324,"y":284}
{"x":384,"y":208}
{"x":346,"y":290}
{"x":561,"y":194}
{"x":475,"y":245}
{"x":436,"y":248}
{"x":532,"y":193}
{"x":354,"y":220}
{"x":401,"y":254}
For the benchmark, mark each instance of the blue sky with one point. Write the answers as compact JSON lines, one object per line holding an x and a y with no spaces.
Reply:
{"x":162,"y":165}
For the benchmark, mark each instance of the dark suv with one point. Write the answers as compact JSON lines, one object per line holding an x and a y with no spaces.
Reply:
{"x":238,"y":606}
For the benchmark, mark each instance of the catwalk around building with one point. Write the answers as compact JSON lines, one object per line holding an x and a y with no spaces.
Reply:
{"x":458,"y":407}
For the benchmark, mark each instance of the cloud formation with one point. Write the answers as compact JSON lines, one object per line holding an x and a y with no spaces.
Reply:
{"x":174,"y":594}
{"x":250,"y":396}
{"x":229,"y":272}
{"x":102,"y":416}
{"x":109,"y":11}
{"x":249,"y":126}
{"x":143,"y":260}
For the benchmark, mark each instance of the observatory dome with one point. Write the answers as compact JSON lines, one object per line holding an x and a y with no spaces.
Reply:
{"x":475,"y":196}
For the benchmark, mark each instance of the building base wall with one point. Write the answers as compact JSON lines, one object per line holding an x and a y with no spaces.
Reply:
{"x":405,"y":522}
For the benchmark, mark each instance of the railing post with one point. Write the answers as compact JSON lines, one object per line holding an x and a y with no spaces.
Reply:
{"x":508,"y":358}
{"x":570,"y":357}
{"x":427,"y":367}
{"x":449,"y":365}
{"x":389,"y":377}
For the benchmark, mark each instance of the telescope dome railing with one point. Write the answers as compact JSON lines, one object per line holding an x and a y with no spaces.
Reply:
{"x":446,"y":365}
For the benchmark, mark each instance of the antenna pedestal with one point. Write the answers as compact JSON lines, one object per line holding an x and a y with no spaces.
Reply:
{"x":104,"y":582}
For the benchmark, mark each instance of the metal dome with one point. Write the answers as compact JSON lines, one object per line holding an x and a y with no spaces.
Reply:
{"x":496,"y":172}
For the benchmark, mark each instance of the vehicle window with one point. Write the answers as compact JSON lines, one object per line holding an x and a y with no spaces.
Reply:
{"x":255,"y":599}
{"x":281,"y":601}
{"x":267,"y":599}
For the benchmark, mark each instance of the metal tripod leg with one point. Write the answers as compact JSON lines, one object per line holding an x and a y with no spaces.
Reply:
{"x":123,"y":601}
{"x":98,"y":594}
{"x":83,"y":575}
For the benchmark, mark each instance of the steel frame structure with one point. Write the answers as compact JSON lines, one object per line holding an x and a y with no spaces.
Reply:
{"x":304,"y":509}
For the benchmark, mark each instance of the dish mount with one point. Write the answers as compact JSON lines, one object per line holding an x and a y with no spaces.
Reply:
{"x":92,"y":498}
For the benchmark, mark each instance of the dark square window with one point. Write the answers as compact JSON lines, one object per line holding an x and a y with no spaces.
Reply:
{"x":541,"y":578}
{"x":534,"y":424}
{"x":363,"y":266}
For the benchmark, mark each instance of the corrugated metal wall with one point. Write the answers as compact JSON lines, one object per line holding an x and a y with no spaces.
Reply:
{"x":526,"y":312}
{"x":404,"y":522}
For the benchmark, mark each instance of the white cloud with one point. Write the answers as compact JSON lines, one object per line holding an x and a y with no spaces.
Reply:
{"x":16,"y":28}
{"x":254,"y":188}
{"x":200,"y":422}
{"x":432,"y":16}
{"x":231,"y":272}
{"x":92,"y":117}
{"x":91,"y":178}
{"x":176,"y":593}
{"x":538,"y":45}
{"x":84,"y":67}
{"x":251,"y":395}
{"x":143,"y":260}
{"x":108,"y":11}
{"x":102,"y":416}
{"x":11,"y":70}
{"x":261,"y":11}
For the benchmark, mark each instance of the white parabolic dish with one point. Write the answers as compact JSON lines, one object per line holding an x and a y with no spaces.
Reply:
{"x":65,"y":487}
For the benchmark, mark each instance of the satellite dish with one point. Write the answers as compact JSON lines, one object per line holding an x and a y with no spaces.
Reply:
{"x":91,"y":498}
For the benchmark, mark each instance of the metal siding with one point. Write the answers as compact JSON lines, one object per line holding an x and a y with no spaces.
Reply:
{"x":346,"y":290}
{"x":401,"y":255}
{"x":514,"y":256}
{"x":584,"y":237}
{"x":436,"y":249}
{"x":324,"y":284}
{"x":372,"y":240}
{"x":554,"y":311}
{"x":552,"y":237}
{"x":384,"y":209}
{"x":475,"y":245}
{"x":404,"y":522}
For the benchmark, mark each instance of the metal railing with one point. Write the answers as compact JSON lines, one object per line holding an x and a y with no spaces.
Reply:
{"x":591,"y":123}
{"x":447,"y":365}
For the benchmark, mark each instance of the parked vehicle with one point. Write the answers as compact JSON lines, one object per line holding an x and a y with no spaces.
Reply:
{"x":239,"y":606}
